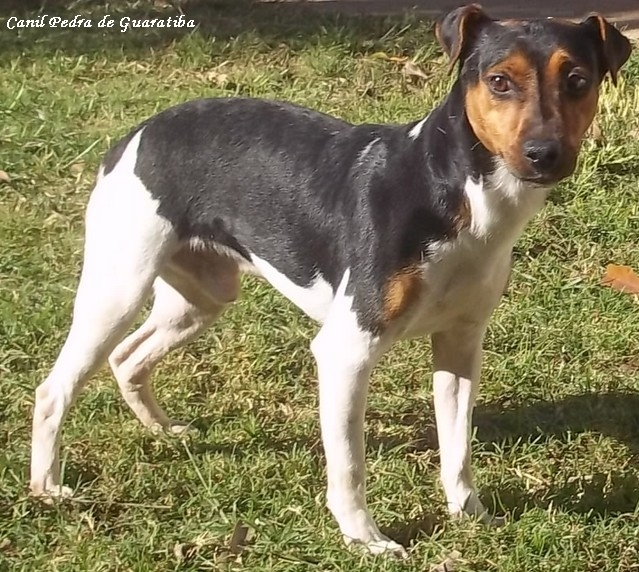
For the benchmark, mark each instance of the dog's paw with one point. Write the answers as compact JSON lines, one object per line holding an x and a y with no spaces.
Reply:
{"x":495,"y":521}
{"x":382,"y":546}
{"x":173,"y":427}
{"x":473,"y":508}
{"x":50,"y":495}
{"x":179,"y":427}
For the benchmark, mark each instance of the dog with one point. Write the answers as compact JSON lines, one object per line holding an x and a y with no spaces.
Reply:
{"x":377,"y":232}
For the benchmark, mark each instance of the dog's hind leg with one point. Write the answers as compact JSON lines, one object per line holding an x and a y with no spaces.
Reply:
{"x":192,"y":293}
{"x":126,"y":245}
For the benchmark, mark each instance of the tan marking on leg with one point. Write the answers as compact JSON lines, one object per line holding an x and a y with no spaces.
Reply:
{"x":401,"y":290}
{"x":464,"y":216}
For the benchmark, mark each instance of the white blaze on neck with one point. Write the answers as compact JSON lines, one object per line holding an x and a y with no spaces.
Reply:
{"x":480,"y":208}
{"x":417,"y":129}
{"x":501,"y":204}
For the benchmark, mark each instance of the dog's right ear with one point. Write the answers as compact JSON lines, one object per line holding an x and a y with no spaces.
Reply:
{"x":458,"y":29}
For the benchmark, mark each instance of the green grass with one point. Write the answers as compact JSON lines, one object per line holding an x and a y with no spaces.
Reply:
{"x":557,"y":441}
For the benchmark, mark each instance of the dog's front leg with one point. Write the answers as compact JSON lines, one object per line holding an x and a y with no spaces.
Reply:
{"x":345,"y":356}
{"x":457,"y":364}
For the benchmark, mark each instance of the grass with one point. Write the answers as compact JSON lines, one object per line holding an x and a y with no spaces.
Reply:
{"x":557,"y":440}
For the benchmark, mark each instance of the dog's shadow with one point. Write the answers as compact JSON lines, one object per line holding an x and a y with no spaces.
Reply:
{"x":609,"y":493}
{"x":614,"y":415}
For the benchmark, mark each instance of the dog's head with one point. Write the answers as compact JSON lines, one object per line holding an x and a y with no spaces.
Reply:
{"x":531,"y":87}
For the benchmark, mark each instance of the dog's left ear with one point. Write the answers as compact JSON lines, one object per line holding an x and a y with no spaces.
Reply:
{"x":615,"y":47}
{"x":458,"y":29}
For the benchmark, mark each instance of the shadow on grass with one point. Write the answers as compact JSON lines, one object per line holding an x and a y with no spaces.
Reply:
{"x":615,"y":415}
{"x":407,"y":532}
{"x":599,"y":494}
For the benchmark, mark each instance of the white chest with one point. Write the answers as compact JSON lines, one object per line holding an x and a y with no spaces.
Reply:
{"x":462,"y":287}
{"x":464,"y":279}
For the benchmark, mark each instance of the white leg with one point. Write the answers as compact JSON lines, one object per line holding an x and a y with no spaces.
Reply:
{"x":345,"y":356}
{"x":125,"y":245}
{"x":457,"y":364}
{"x":173,"y":322}
{"x":101,"y":318}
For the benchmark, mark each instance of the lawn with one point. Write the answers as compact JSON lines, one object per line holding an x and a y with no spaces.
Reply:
{"x":557,"y":439}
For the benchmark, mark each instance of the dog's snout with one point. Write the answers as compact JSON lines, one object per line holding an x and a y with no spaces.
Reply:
{"x":543,"y":154}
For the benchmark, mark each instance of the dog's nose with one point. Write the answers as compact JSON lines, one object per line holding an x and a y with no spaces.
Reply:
{"x":543,"y":154}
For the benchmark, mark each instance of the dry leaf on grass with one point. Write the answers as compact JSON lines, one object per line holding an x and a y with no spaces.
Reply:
{"x":217,"y":76}
{"x":384,"y":56}
{"x":449,"y":564}
{"x":185,"y":551}
{"x":220,"y":79}
{"x":241,"y":536}
{"x":412,"y":70}
{"x":4,"y":177}
{"x":621,"y":278}
{"x":595,"y":133}
{"x":77,"y":169}
{"x":222,"y":553}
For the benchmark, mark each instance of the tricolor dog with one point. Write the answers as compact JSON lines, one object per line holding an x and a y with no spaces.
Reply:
{"x":378,"y":232}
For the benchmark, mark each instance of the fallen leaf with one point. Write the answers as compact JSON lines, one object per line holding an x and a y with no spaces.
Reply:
{"x":595,"y":133}
{"x":621,"y":278}
{"x":4,"y":177}
{"x":239,"y":538}
{"x":221,"y":79}
{"x":630,"y":366}
{"x":207,"y":546}
{"x":384,"y":56}
{"x":369,"y":90}
{"x":412,"y":70}
{"x":76,"y":169}
{"x":185,"y":551}
{"x":287,"y":410}
{"x":449,"y":564}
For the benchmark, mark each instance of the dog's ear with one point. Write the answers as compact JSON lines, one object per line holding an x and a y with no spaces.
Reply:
{"x":458,"y":29}
{"x":615,"y":47}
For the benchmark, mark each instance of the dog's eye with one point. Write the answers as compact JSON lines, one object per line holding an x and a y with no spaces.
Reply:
{"x":499,"y":83}
{"x":577,"y":84}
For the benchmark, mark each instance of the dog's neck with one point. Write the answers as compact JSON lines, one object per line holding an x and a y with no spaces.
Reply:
{"x":508,"y":204}
{"x":501,"y":204}
{"x":447,"y":129}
